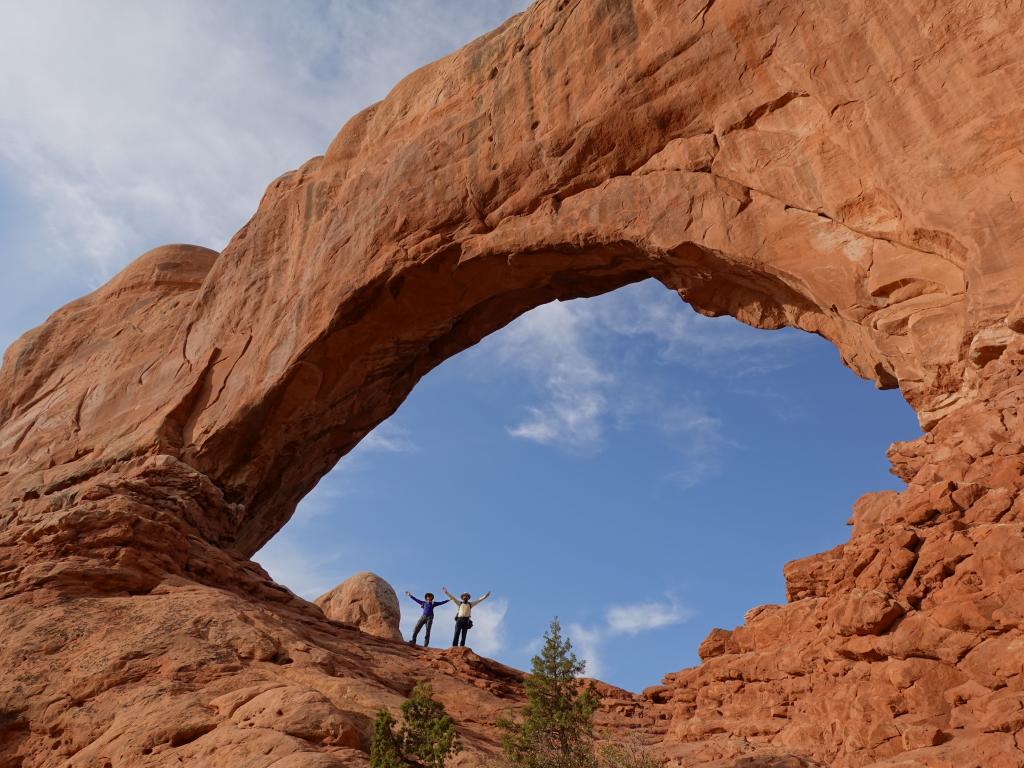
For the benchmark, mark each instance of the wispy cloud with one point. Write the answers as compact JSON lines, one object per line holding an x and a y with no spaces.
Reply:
{"x":307,"y":575}
{"x":488,"y":634}
{"x":628,"y":619}
{"x":720,"y":345}
{"x":635,"y":618}
{"x":388,"y":437}
{"x":698,"y":437}
{"x":548,"y":344}
{"x":141,"y":123}
{"x":587,"y":643}
{"x":575,"y":356}
{"x":342,"y":481}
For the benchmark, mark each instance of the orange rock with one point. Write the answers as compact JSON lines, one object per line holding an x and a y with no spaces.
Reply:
{"x":299,"y":712}
{"x":366,"y":601}
{"x":848,"y":169}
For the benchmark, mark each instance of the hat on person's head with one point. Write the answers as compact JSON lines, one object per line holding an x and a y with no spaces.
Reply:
{"x":464,"y":596}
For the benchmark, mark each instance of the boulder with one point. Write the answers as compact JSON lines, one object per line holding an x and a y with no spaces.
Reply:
{"x":368,"y":602}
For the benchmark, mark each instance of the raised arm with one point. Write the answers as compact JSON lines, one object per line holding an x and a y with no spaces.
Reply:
{"x":441,"y":603}
{"x":480,"y":599}
{"x":449,"y":595}
{"x":410,"y":594}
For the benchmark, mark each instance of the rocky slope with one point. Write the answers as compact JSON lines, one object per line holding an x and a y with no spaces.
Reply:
{"x":851,"y":169}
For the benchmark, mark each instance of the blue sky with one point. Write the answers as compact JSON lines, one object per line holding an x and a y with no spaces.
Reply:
{"x":638,"y":470}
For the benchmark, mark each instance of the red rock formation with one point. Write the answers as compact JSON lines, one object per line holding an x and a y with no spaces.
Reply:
{"x":366,"y":601}
{"x":850,"y":169}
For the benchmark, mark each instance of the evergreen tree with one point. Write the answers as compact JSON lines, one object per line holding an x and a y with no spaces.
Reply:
{"x":555,"y":728}
{"x":428,"y":733}
{"x":384,"y":752}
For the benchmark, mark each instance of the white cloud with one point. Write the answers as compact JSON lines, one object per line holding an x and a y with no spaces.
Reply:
{"x":487,"y":636}
{"x":627,"y":619}
{"x":387,"y":437}
{"x":723,"y":345}
{"x":699,"y":438}
{"x":134,"y":124}
{"x":643,"y":617}
{"x":531,"y":647}
{"x":586,"y":642}
{"x":155,"y":119}
{"x":691,"y":419}
{"x":567,"y":351}
{"x":695,"y":470}
{"x":326,"y":498}
{"x":548,"y":344}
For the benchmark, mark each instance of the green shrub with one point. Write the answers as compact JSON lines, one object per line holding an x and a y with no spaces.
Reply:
{"x":428,"y":733}
{"x":384,"y":752}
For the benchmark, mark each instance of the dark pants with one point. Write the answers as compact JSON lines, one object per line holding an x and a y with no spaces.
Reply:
{"x":425,"y":621}
{"x":461,"y":628}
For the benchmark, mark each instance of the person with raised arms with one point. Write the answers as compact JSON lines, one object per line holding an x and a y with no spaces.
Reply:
{"x":463,"y":622}
{"x":426,"y":618}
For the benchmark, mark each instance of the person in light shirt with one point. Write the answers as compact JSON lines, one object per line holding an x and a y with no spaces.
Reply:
{"x":463,"y":622}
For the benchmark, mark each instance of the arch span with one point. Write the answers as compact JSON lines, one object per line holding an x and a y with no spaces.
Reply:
{"x":781,"y":171}
{"x":525,"y":168}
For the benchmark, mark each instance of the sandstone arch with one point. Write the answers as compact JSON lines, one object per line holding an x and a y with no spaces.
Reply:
{"x":852,"y":171}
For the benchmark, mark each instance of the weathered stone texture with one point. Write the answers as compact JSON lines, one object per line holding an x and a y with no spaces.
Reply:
{"x":850,"y":169}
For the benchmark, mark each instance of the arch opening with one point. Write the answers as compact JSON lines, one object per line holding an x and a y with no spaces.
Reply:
{"x":357,"y":371}
{"x":621,"y":461}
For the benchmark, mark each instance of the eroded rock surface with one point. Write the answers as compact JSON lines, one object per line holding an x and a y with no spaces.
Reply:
{"x":849,"y":169}
{"x":366,"y":601}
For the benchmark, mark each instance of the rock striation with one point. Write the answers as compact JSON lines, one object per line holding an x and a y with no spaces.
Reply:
{"x":851,"y":170}
{"x":366,"y":601}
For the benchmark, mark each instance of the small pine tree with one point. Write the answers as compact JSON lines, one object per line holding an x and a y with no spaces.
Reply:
{"x":555,"y":728}
{"x":384,"y":752}
{"x":428,"y":733}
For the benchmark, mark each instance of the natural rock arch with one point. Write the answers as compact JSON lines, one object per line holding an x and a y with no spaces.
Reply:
{"x":778,"y":170}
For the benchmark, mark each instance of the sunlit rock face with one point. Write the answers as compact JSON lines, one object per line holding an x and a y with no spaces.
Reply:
{"x":850,"y":169}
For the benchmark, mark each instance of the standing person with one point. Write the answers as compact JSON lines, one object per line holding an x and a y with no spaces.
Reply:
{"x":426,"y":618}
{"x":463,"y":622}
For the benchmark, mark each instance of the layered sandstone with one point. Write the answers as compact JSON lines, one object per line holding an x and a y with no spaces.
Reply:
{"x":852,"y":170}
{"x":366,"y":601}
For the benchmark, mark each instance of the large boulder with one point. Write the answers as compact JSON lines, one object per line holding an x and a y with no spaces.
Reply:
{"x":367,"y":601}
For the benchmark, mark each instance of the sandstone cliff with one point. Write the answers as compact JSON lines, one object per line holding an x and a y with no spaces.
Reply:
{"x":850,"y":169}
